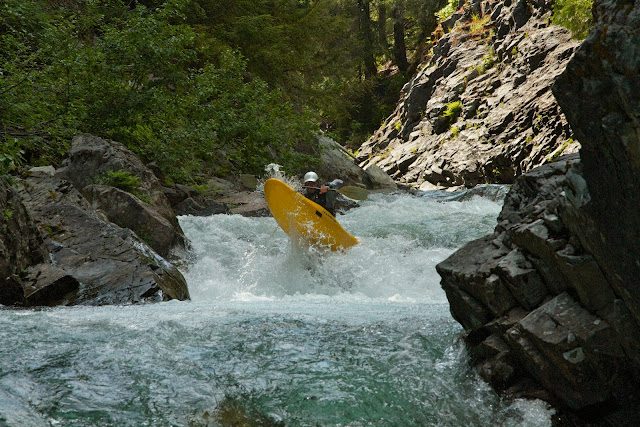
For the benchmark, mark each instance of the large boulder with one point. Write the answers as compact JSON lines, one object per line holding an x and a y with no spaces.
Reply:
{"x":542,"y":318}
{"x":90,"y":260}
{"x":564,"y":251}
{"x":127,"y":210}
{"x":91,"y":158}
{"x":336,"y":162}
{"x":600,"y":94}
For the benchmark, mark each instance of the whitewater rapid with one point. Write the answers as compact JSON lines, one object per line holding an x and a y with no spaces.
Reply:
{"x":274,"y":334}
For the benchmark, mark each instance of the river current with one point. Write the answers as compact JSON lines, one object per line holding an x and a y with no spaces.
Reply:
{"x":274,"y":334}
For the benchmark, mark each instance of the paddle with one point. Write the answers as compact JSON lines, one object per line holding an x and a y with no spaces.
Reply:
{"x":355,"y":193}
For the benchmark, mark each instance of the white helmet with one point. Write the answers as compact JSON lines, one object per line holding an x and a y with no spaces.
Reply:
{"x":310,"y":177}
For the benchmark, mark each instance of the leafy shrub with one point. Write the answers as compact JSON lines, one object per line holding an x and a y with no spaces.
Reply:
{"x":453,"y":110}
{"x":476,"y":26}
{"x":488,"y":61}
{"x":448,"y":10}
{"x":143,"y":77}
{"x":574,"y":15}
{"x":10,"y":156}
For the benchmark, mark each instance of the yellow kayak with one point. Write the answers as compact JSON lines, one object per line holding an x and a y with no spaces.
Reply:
{"x":301,"y":218}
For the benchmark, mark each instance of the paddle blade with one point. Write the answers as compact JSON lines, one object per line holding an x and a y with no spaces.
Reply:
{"x":355,"y":193}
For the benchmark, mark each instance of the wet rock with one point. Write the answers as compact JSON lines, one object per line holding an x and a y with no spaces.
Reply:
{"x":474,"y":292}
{"x":530,"y":266}
{"x":187,"y":201}
{"x":574,"y":226}
{"x":338,"y":163}
{"x":247,"y":203}
{"x":48,"y":285}
{"x":599,"y":93}
{"x":121,"y":207}
{"x":571,"y":352}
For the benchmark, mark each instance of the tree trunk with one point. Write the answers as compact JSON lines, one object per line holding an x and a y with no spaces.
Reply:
{"x":382,"y":27}
{"x":399,"y":46}
{"x":370,"y":68}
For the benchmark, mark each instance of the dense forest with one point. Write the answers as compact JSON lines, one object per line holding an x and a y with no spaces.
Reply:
{"x":206,"y":87}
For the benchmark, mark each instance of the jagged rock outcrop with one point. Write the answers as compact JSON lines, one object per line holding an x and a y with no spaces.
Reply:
{"x":600,"y":93}
{"x":481,"y":110}
{"x":550,"y":301}
{"x":57,"y":248}
{"x":90,"y":159}
{"x":88,"y":259}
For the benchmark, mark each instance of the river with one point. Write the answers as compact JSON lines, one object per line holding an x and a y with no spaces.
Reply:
{"x":273,"y":335}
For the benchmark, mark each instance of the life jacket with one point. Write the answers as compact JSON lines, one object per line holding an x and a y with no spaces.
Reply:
{"x":328,"y":199}
{"x":320,"y":199}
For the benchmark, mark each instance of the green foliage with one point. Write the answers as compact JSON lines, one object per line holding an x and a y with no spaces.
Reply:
{"x":121,"y":179}
{"x":477,"y":23}
{"x":488,"y":61}
{"x":10,"y":156}
{"x":199,"y":87}
{"x":453,"y":110}
{"x":575,"y":15}
{"x":447,"y":10}
{"x":143,"y":77}
{"x":560,"y":150}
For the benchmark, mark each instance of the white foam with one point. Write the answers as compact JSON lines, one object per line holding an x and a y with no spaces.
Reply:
{"x":402,"y":239}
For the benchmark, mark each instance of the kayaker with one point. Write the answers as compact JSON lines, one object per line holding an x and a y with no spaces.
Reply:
{"x":321,"y":194}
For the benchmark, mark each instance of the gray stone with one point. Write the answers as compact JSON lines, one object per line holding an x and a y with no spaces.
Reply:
{"x":522,"y":279}
{"x":48,"y":285}
{"x":583,"y":371}
{"x":90,"y":158}
{"x":510,"y":122}
{"x":338,"y":163}
{"x":21,"y":244}
{"x":574,"y":225}
{"x":90,"y":260}
{"x":599,"y":93}
{"x":127,"y":210}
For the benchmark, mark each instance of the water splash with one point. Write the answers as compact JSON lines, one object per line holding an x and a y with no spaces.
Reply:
{"x":402,"y":239}
{"x":273,"y":170}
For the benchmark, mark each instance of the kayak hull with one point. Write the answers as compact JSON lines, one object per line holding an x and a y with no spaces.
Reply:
{"x":303,"y":219}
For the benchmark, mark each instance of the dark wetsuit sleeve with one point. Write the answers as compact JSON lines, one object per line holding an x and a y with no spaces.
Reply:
{"x":321,"y":199}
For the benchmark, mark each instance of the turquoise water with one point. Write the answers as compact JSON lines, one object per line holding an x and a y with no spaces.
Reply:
{"x":274,"y":335}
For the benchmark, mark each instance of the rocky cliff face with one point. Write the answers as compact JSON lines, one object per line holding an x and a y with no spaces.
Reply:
{"x":481,"y":110}
{"x":550,"y":301}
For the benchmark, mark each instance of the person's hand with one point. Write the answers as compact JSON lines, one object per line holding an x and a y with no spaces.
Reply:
{"x":324,"y":189}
